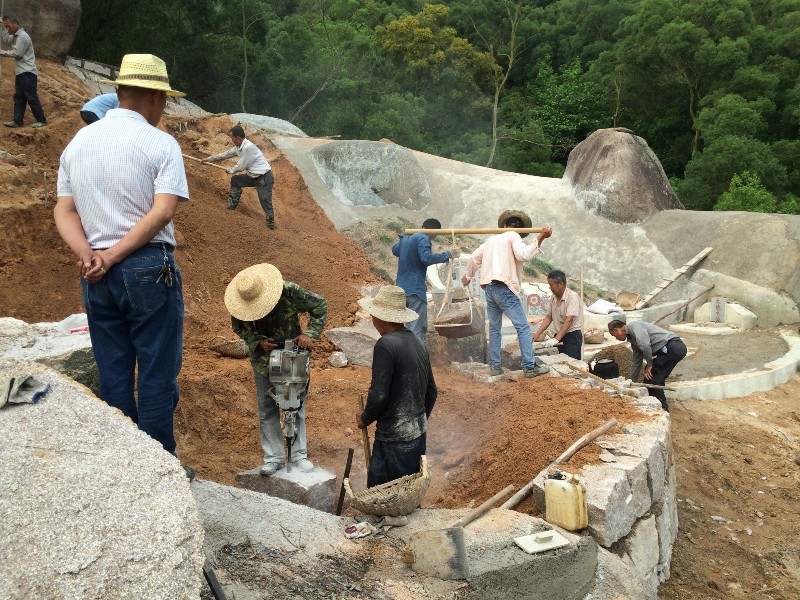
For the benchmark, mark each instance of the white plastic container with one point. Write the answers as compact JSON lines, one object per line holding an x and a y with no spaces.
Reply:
{"x":565,"y":502}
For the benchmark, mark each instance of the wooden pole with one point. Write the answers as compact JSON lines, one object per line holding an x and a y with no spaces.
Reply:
{"x":581,"y":307}
{"x":365,"y":436}
{"x":201,"y":162}
{"x":684,"y":304}
{"x":477,"y":512}
{"x":347,"y":466}
{"x":474,"y":231}
{"x":583,"y":441}
{"x":653,"y":386}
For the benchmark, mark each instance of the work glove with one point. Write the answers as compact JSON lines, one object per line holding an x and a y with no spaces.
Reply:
{"x":230,"y":171}
{"x":550,"y":343}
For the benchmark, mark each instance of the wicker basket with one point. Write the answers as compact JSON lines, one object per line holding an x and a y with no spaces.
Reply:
{"x":628,"y":300}
{"x":394,"y":498}
{"x":594,"y":336}
{"x":232,"y":348}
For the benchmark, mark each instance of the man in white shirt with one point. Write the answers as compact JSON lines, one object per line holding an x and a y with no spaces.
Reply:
{"x":119,"y":184}
{"x":500,"y":259}
{"x":565,"y":315}
{"x":26,"y":78}
{"x":259,"y":173}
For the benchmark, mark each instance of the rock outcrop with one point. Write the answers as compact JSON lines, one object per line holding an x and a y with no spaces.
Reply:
{"x":52,"y":24}
{"x":615,"y":175}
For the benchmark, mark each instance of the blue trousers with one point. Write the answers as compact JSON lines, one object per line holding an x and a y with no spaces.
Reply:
{"x":499,"y":300}
{"x":25,"y":93}
{"x":420,"y":326}
{"x":392,"y":460}
{"x":136,"y":327}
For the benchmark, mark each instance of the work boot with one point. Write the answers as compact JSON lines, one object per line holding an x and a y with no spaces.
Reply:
{"x":12,"y":124}
{"x":538,"y":369}
{"x":303,"y":465}
{"x":233,"y":197}
{"x":495,"y":371}
{"x":271,"y":468}
{"x":271,"y":220}
{"x":38,"y":124}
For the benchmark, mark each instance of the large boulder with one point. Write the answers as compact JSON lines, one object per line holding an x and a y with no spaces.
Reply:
{"x":372,"y":174}
{"x":52,"y":24}
{"x":615,"y":175}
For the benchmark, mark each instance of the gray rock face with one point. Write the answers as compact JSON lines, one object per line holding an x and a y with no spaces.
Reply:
{"x":615,"y":175}
{"x":91,"y":507}
{"x":269,"y":123}
{"x":356,"y":342}
{"x":372,"y":174}
{"x":52,"y":24}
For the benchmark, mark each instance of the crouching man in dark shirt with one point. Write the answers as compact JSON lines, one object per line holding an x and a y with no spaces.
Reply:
{"x":402,"y":392}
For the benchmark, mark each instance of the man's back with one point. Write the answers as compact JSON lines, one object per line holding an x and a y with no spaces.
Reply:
{"x":114,"y":168}
{"x":403,"y":390}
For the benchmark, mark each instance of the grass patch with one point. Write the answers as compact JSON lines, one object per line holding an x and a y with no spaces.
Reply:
{"x":382,"y":274}
{"x":385,"y":239}
{"x":537,"y":267}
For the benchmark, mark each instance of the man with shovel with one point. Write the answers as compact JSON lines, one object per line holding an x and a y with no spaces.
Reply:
{"x":259,"y":173}
{"x":402,"y":392}
{"x":500,"y":259}
{"x":660,"y":349}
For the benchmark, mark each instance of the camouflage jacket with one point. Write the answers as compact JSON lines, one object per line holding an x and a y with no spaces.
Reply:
{"x":282,"y":323}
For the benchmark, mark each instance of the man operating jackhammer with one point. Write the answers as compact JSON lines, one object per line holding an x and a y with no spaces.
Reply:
{"x":259,"y":173}
{"x":402,"y":392}
{"x":264,"y":312}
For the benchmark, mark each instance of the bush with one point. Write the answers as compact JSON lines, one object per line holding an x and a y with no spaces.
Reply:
{"x":748,"y":194}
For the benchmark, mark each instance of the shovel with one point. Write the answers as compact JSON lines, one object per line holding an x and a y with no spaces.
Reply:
{"x":442,"y":553}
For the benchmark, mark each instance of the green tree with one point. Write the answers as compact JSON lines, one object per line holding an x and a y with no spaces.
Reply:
{"x":746,"y":193}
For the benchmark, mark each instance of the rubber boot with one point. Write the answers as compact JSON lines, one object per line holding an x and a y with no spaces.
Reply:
{"x":271,"y":220}
{"x":233,"y":197}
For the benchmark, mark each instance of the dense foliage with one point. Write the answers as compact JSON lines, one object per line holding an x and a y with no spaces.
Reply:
{"x":712,"y":85}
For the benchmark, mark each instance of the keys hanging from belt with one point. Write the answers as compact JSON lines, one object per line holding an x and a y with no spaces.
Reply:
{"x":166,"y":271}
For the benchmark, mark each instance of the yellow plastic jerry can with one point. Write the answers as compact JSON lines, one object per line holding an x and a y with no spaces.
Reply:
{"x":565,"y":501}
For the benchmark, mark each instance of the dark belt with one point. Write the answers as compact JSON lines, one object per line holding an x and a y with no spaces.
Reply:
{"x":169,"y":247}
{"x":497,"y":282}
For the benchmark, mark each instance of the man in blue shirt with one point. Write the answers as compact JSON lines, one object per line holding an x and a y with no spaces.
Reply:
{"x":96,"y":108}
{"x":414,"y":257}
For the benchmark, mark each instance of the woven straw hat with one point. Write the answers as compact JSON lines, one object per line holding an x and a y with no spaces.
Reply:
{"x":389,"y":305}
{"x":144,"y":71}
{"x":507,"y":214}
{"x":254,"y":292}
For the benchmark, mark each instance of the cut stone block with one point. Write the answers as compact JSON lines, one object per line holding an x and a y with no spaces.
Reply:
{"x":356,"y":342}
{"x":666,"y":512}
{"x":316,"y":489}
{"x":611,"y":508}
{"x":736,"y":315}
{"x":640,"y":550}
{"x":635,"y":469}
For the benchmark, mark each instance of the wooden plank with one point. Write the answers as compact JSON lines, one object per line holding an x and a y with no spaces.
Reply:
{"x":676,"y":274}
{"x":474,"y":231}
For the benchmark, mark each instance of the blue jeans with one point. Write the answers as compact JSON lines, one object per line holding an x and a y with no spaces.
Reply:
{"x":393,"y":460}
{"x":499,"y":300}
{"x":136,"y":324}
{"x":25,"y":94}
{"x":419,"y":326}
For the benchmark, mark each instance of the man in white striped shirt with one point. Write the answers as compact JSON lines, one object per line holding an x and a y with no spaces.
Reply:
{"x":259,"y":173}
{"x":119,"y":184}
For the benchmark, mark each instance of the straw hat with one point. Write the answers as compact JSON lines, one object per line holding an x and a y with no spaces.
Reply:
{"x":144,"y":71}
{"x":254,"y":292}
{"x":507,"y":214}
{"x":389,"y":305}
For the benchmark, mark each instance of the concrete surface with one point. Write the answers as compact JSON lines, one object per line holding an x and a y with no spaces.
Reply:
{"x":316,"y":489}
{"x":91,"y":507}
{"x":735,"y":315}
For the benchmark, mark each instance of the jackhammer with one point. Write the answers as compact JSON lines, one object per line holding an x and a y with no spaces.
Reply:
{"x":288,"y":374}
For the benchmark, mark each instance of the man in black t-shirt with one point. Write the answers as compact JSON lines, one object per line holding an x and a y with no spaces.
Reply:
{"x":402,"y":392}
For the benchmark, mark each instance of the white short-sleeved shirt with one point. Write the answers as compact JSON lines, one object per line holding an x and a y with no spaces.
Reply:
{"x":568,"y":306}
{"x":113,"y":169}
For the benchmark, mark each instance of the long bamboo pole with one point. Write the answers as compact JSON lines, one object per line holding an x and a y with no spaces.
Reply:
{"x":474,"y":230}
